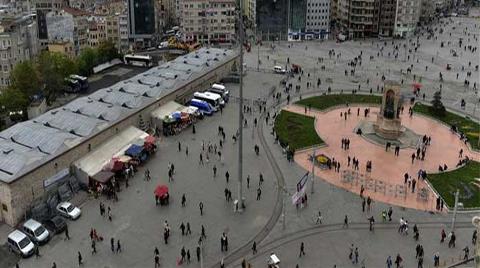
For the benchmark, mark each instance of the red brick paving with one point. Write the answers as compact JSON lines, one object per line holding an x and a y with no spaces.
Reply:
{"x":387,"y":168}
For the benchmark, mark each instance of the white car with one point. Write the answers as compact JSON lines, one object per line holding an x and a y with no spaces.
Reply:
{"x":279,"y":70}
{"x":68,"y":210}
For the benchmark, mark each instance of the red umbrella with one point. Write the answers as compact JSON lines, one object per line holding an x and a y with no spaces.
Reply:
{"x":416,"y":85}
{"x":161,"y":190}
{"x":150,"y":139}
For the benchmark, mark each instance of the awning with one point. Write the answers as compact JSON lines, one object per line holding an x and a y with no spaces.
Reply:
{"x":97,"y":159}
{"x":103,"y":176}
{"x":134,"y":150}
{"x":189,"y":110}
{"x":166,"y":109}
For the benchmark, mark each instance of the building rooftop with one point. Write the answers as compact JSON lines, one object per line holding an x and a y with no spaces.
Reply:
{"x":30,"y":144}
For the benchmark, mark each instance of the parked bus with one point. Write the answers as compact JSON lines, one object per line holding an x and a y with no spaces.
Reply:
{"x":82,"y":80}
{"x":138,"y":60}
{"x":213,"y":99}
{"x":203,"y":106}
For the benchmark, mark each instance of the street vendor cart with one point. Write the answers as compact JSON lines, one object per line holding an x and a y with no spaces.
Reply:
{"x":273,"y":261}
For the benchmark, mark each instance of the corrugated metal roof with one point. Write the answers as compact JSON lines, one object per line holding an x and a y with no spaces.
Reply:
{"x":48,"y":135}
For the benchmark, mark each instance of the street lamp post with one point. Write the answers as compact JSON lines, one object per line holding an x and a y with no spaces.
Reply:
{"x":455,"y":210}
{"x":313,"y":172}
{"x":476,"y":223}
{"x":240,"y":111}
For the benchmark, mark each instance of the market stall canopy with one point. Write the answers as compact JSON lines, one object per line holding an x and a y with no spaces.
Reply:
{"x":161,"y":190}
{"x":165,"y":110}
{"x":94,"y":162}
{"x":103,"y":176}
{"x":134,"y":150}
{"x":189,"y":110}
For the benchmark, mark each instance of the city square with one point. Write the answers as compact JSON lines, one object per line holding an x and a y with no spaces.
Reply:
{"x":270,"y":219}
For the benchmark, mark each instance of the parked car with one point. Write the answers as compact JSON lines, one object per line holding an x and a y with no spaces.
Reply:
{"x":36,"y":231}
{"x":56,"y":224}
{"x":19,"y":243}
{"x":67,"y":210}
{"x":279,"y":70}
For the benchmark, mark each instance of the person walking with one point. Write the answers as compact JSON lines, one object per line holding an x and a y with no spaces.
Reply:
{"x":183,"y":253}
{"x":54,"y":265}
{"x":259,"y":193}
{"x":67,"y":236}
{"x":157,"y":259}
{"x":345,"y":222}
{"x":198,"y":253}
{"x":369,"y":202}
{"x":302,"y":250}
{"x":390,"y":212}
{"x":94,"y":247}
{"x":188,"y":255}
{"x":443,"y":235}
{"x":37,"y":252}
{"x":184,"y":200}
{"x":398,"y":260}
{"x":200,"y":206}
{"x":214,"y":171}
{"x":254,"y":248}
{"x":227,"y":176}
{"x":182,"y":228}
{"x":389,"y":262}
{"x":203,"y":235}
{"x":189,"y":232}
{"x":80,"y":259}
{"x":112,"y":244}
{"x":363,"y":204}
{"x":119,"y":247}
{"x":474,"y":237}
{"x":356,"y":256}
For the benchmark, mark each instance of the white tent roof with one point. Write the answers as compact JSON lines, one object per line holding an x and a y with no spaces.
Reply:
{"x":93,"y":162}
{"x":167,"y":109}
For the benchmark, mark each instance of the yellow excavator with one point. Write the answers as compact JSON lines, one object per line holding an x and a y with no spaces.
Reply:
{"x":174,"y":43}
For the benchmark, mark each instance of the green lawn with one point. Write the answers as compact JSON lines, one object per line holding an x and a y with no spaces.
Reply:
{"x":467,"y":126}
{"x":447,"y":183}
{"x":327,"y":101}
{"x":296,"y":130}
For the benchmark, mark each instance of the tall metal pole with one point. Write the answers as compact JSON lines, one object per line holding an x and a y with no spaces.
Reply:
{"x":476,"y":223}
{"x":240,"y":111}
{"x":455,"y":210}
{"x":284,"y":210}
{"x":313,"y":171}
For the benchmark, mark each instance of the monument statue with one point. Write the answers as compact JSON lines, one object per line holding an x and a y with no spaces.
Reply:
{"x":389,"y":124}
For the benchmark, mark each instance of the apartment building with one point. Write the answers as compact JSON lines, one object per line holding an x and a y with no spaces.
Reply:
{"x":406,"y":18}
{"x":18,"y":42}
{"x":42,"y":7}
{"x":69,"y":24}
{"x":208,"y":21}
{"x":62,"y":46}
{"x":386,"y":17}
{"x":358,"y":18}
{"x":318,"y":17}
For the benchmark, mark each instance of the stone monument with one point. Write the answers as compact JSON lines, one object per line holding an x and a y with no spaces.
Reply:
{"x":389,"y":124}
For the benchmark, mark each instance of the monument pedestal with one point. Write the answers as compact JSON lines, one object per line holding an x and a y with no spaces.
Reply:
{"x":388,"y":128}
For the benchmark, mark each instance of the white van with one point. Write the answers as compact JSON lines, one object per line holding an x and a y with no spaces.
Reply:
{"x":20,"y":243}
{"x":279,"y":70}
{"x":213,"y":99}
{"x":36,"y":231}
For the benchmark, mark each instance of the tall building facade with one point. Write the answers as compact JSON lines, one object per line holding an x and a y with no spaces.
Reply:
{"x":406,"y":18}
{"x":18,"y":42}
{"x":69,"y":24}
{"x":318,"y":17}
{"x":358,"y":18}
{"x":208,"y":21}
{"x":42,"y":7}
{"x":272,"y":19}
{"x":141,"y":22}
{"x":386,"y":17}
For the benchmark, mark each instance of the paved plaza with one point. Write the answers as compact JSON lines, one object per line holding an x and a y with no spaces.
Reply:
{"x":385,"y":182}
{"x":139,"y":224}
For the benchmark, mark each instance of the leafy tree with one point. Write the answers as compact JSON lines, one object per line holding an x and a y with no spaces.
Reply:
{"x":107,"y":51}
{"x":87,"y":59}
{"x":437,"y":105}
{"x":14,"y":100}
{"x":25,"y":78}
